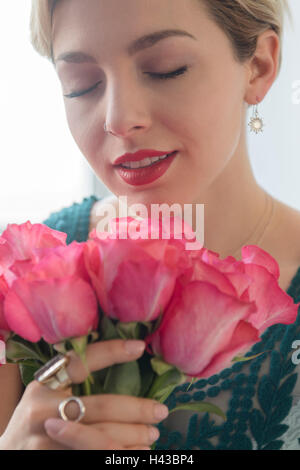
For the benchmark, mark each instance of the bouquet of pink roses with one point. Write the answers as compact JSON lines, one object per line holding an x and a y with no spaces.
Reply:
{"x":196,"y":312}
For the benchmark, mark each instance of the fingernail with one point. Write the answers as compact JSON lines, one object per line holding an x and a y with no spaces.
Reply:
{"x":54,"y":425}
{"x":153,"y":434}
{"x":134,"y":347}
{"x":161,"y":411}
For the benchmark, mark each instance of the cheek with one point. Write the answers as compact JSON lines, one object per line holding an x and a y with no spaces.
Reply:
{"x":215,"y":117}
{"x":87,"y":134}
{"x":89,"y":137}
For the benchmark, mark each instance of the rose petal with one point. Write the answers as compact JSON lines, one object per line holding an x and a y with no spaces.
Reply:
{"x":54,"y":309}
{"x":252,"y":254}
{"x":213,"y":316}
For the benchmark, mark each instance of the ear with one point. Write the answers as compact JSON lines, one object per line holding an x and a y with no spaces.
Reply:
{"x":262,"y":67}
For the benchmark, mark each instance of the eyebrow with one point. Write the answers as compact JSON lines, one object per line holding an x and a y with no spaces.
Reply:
{"x":144,"y":42}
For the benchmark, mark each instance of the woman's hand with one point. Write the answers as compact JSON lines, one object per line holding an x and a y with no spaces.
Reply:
{"x":112,"y":422}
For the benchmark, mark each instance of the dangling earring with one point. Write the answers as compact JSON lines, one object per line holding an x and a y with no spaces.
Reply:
{"x":256,"y":123}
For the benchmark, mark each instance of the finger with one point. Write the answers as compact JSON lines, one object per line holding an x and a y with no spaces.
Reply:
{"x":79,"y":436}
{"x":118,"y":409}
{"x":129,"y":434}
{"x":103,"y":354}
{"x":138,"y":448}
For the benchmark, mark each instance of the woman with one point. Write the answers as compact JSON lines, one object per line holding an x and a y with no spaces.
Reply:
{"x":169,"y":76}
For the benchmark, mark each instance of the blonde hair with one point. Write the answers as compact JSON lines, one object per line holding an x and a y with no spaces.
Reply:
{"x":241,"y":20}
{"x":244,"y":20}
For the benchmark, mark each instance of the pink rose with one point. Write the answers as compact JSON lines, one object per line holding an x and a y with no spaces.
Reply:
{"x":229,"y":304}
{"x":171,"y":228}
{"x":134,"y":279}
{"x":254,"y":278}
{"x":203,"y":329}
{"x":21,"y":246}
{"x":54,"y":300}
{"x":274,"y":305}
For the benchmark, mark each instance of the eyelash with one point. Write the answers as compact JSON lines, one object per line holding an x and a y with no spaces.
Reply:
{"x":155,"y":76}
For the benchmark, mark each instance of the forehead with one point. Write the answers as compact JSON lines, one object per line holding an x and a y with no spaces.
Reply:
{"x":140,"y":44}
{"x":100,"y":24}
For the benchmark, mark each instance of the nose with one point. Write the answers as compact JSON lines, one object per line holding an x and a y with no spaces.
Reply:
{"x":126,"y":110}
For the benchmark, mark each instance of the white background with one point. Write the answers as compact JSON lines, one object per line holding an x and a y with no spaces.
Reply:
{"x":41,"y":168}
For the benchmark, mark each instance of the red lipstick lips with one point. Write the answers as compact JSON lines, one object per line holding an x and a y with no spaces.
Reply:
{"x":147,"y":174}
{"x":138,"y":156}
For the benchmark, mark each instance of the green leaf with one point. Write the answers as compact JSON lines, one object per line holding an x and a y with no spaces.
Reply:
{"x":128,"y":330}
{"x":16,"y":351}
{"x":97,"y":386}
{"x":146,"y":372}
{"x":144,"y":329}
{"x":108,"y":329}
{"x":194,"y":379}
{"x":31,"y":363}
{"x":41,"y":348}
{"x":44,"y":350}
{"x":123,"y":379}
{"x":163,"y":394}
{"x":27,"y":370}
{"x":201,"y":407}
{"x":159,"y":366}
{"x":166,"y":382}
{"x":246,"y":358}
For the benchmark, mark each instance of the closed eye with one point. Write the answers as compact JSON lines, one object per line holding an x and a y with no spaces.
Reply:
{"x":155,"y":76}
{"x":84,"y":92}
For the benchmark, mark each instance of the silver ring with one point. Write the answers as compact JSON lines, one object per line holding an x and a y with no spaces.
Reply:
{"x":53,"y":374}
{"x":61,"y":409}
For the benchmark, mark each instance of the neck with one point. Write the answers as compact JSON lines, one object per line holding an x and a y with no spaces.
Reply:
{"x":233,"y":207}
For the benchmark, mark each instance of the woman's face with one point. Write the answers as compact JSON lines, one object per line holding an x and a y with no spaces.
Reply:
{"x":198,"y":112}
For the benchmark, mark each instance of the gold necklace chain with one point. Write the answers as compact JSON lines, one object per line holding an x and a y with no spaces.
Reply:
{"x":269,"y":208}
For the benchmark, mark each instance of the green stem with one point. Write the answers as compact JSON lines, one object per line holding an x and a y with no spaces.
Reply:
{"x":43,"y":358}
{"x":76,"y":390}
{"x":87,"y":387}
{"x":52,"y":351}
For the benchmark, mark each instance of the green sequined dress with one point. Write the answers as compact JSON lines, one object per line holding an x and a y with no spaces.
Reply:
{"x":259,"y":397}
